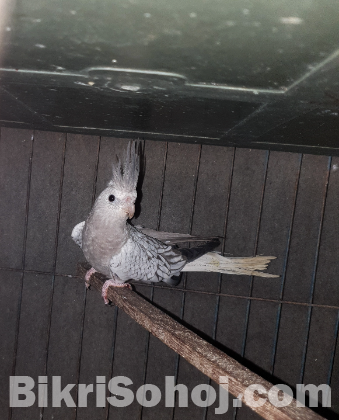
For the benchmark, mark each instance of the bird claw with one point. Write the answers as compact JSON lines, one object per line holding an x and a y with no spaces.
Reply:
{"x":114,"y":283}
{"x":88,"y":276}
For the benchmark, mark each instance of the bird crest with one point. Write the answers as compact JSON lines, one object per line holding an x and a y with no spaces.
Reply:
{"x":125,"y":170}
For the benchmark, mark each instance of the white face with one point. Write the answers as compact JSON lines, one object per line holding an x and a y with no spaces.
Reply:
{"x":121,"y":203}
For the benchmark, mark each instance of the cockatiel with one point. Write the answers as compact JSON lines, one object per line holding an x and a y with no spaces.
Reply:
{"x":125,"y":252}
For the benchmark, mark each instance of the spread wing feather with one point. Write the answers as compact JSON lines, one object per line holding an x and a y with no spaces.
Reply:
{"x":147,"y":259}
{"x":173,"y":238}
{"x":77,"y":233}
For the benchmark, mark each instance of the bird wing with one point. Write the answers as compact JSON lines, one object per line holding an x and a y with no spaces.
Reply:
{"x":147,"y":259}
{"x":173,"y":238}
{"x":77,"y":233}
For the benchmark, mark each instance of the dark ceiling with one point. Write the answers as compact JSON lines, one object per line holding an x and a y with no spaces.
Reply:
{"x":261,"y":74}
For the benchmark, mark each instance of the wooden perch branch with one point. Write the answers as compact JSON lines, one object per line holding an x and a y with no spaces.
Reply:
{"x":204,"y":356}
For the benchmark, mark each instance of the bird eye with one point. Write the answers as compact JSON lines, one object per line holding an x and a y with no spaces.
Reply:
{"x":111,"y":197}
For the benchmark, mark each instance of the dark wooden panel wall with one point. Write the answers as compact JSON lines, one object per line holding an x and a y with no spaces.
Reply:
{"x":261,"y":202}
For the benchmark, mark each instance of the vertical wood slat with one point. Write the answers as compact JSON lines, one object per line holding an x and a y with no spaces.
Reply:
{"x":76,"y":191}
{"x":79,"y":175}
{"x":10,"y":296}
{"x":161,"y":359}
{"x":47,"y":169}
{"x":301,"y":266}
{"x":244,"y":212}
{"x":153,"y":187}
{"x":307,"y":219}
{"x":33,"y":334}
{"x":310,"y":319}
{"x":326,"y":284}
{"x":15,"y":153}
{"x":287,"y":366}
{"x":317,"y":361}
{"x":182,"y":368}
{"x":152,"y":179}
{"x":199,"y":314}
{"x":99,"y":326}
{"x":96,"y":351}
{"x":334,"y":375}
{"x":275,"y":227}
{"x":65,"y":340}
{"x":275,"y":232}
{"x":209,"y":414}
{"x":17,"y":145}
{"x":122,"y":330}
{"x":209,"y":219}
{"x":278,"y":207}
{"x":255,"y":189}
{"x":213,"y":183}
{"x":176,"y":212}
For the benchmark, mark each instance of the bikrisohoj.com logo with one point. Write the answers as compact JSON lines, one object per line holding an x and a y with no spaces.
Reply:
{"x":25,"y":392}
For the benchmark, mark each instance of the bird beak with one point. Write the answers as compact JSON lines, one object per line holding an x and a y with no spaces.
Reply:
{"x":129,"y":207}
{"x":130,"y":211}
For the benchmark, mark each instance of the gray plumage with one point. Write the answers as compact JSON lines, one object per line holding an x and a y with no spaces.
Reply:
{"x":125,"y":172}
{"x":116,"y":248}
{"x":124,"y":252}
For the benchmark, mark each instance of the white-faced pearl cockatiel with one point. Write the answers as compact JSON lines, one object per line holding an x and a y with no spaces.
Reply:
{"x":124,"y":252}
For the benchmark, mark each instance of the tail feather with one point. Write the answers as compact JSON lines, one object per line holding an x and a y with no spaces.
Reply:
{"x":174,"y":280}
{"x":196,"y":252}
{"x":214,"y":262}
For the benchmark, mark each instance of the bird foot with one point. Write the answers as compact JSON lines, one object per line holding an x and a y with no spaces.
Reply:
{"x":88,"y":276}
{"x":114,"y":283}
